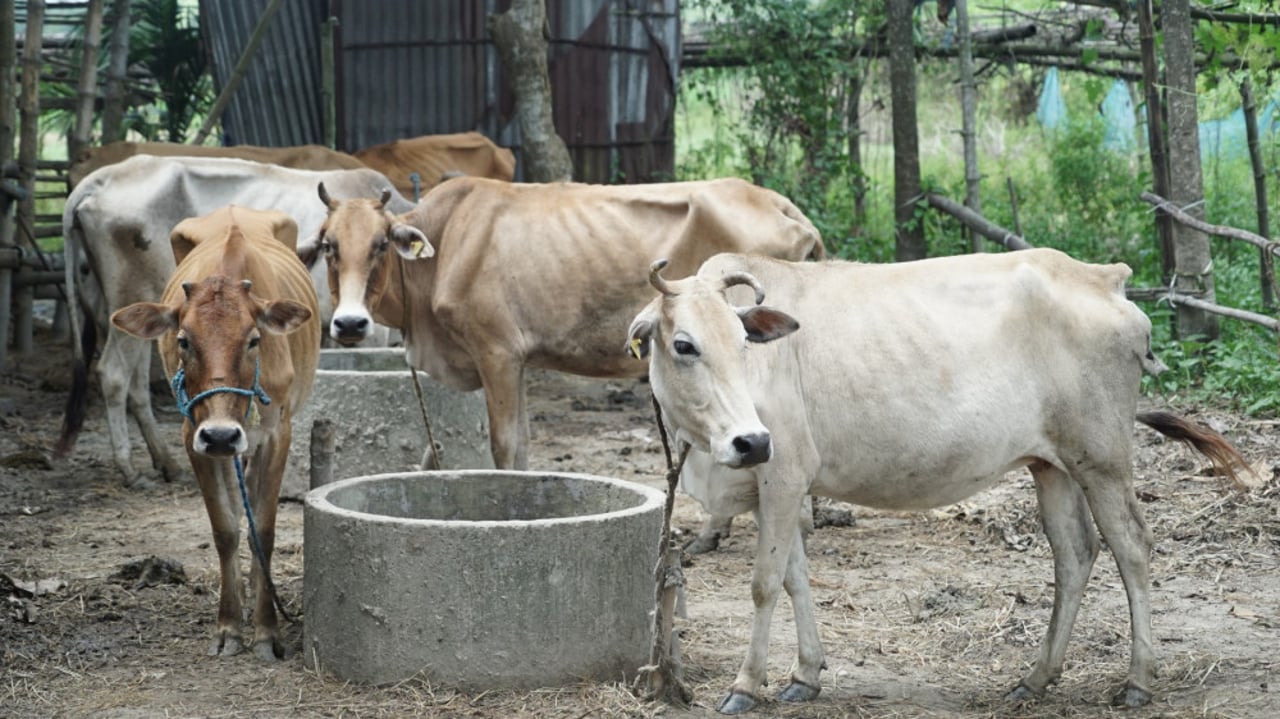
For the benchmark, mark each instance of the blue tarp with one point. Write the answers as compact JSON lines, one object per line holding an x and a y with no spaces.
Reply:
{"x":1223,"y":138}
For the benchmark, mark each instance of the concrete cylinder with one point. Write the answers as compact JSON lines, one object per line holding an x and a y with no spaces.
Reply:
{"x":480,"y":579}
{"x":369,"y":396}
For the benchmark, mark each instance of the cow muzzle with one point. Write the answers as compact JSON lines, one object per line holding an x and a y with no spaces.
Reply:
{"x":350,"y":330}
{"x":219,"y":439}
{"x":749,"y":449}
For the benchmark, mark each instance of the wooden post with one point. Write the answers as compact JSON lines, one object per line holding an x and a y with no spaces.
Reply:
{"x":323,"y":436}
{"x":87,"y":92}
{"x":329,"y":98}
{"x":1156,"y":142}
{"x":8,"y":62}
{"x":968,"y":110}
{"x":237,"y":73}
{"x":27,"y":150}
{"x":117,"y":73}
{"x":1267,"y":276}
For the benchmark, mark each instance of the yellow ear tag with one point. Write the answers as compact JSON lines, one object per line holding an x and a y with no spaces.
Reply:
{"x":417,"y":246}
{"x":635,"y":347}
{"x":255,"y":417}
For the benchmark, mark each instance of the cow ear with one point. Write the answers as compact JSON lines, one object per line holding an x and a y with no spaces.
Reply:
{"x":308,"y":250}
{"x":147,"y":320}
{"x":640,"y":335}
{"x":282,"y":316}
{"x":409,"y":241}
{"x":765,"y":324}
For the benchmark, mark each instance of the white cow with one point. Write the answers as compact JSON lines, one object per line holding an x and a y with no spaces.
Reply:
{"x":911,"y":386}
{"x":120,"y":217}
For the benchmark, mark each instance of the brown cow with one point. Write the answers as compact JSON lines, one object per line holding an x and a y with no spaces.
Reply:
{"x":222,"y":325}
{"x":530,"y":275}
{"x":301,"y":157}
{"x":435,"y":157}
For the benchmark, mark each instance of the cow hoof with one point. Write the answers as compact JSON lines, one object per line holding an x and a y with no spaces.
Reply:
{"x":225,"y":645}
{"x":702,"y":545}
{"x":797,"y":691}
{"x":736,"y":702}
{"x":1022,"y":693}
{"x":1131,"y":697}
{"x":270,"y":650}
{"x":140,"y":484}
{"x":172,"y":474}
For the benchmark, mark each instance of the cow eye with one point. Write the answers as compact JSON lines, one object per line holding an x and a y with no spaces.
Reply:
{"x":684,"y":347}
{"x":327,"y":247}
{"x":183,"y":344}
{"x":382,"y":245}
{"x":253,"y":342}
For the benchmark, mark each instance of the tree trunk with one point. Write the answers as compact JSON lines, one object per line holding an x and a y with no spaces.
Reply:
{"x":1156,"y":143}
{"x":87,"y":92}
{"x":908,"y":232}
{"x":1193,"y":268}
{"x":117,"y":72}
{"x":519,"y":35}
{"x":1267,"y":273}
{"x":853,"y":135}
{"x":28,"y":149}
{"x":968,"y":111}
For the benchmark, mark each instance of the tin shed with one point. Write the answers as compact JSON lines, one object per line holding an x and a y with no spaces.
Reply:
{"x":403,"y":68}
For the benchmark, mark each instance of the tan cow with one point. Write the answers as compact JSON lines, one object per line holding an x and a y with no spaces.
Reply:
{"x":240,"y":342}
{"x":910,"y":386}
{"x":301,"y":157}
{"x":436,"y":157}
{"x":528,"y":275}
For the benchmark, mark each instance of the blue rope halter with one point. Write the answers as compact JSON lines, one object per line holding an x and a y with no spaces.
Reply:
{"x":185,"y":403}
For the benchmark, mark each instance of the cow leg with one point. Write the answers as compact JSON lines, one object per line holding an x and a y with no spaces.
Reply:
{"x":778,"y":519}
{"x":504,"y":396}
{"x":140,"y":406}
{"x":215,"y":478}
{"x":805,"y":680}
{"x":1064,"y":512}
{"x":708,"y":539}
{"x":267,"y":471}
{"x":1119,"y":518}
{"x":119,"y":354}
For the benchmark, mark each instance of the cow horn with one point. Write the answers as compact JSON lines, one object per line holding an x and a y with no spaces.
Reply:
{"x":742,"y":278}
{"x":656,"y":280}
{"x":386,"y":197}
{"x":324,"y":197}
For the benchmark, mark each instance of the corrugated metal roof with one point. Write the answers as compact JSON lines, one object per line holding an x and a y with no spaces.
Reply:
{"x":278,"y":102}
{"x":405,"y":68}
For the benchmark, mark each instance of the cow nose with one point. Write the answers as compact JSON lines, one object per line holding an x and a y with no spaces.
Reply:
{"x":350,"y":327}
{"x":752,"y":449}
{"x":220,"y":440}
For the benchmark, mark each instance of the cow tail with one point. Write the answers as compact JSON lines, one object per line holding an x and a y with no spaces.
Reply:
{"x":1225,"y":458}
{"x":78,"y":399}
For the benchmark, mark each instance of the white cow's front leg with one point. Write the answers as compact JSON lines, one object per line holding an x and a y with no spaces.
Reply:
{"x":805,"y":680}
{"x":779,"y":521}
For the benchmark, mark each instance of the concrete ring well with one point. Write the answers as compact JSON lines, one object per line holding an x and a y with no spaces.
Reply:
{"x":480,"y":579}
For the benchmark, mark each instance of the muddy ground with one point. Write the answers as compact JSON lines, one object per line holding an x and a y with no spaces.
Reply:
{"x":924,"y":615}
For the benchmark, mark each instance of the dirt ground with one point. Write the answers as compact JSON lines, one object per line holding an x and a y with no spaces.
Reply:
{"x":926,"y":615}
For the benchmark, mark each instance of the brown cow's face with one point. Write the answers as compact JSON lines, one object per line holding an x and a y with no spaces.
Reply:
{"x":217,"y":331}
{"x":360,"y":242}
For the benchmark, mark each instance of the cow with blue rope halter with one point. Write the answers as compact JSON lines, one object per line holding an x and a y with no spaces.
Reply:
{"x":239,"y":338}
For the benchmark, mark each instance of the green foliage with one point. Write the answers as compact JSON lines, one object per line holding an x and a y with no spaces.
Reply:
{"x":166,"y":41}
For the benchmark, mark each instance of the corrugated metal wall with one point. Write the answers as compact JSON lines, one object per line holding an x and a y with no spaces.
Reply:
{"x":405,"y":68}
{"x":279,"y":101}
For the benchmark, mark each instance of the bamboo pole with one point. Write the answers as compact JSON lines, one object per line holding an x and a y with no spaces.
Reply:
{"x":8,"y":61}
{"x":977,"y":223}
{"x":117,"y":73}
{"x":28,"y":147}
{"x":237,"y":73}
{"x":87,"y":92}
